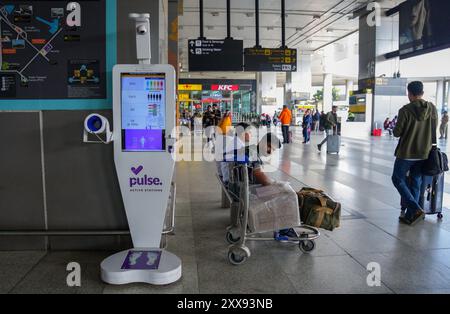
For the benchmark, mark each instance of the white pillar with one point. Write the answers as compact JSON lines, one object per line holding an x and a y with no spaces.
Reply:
{"x":288,"y":90}
{"x":268,"y":84}
{"x":348,"y":89}
{"x":327,"y":92}
{"x":448,"y":95}
{"x":440,"y":94}
{"x":267,"y":88}
{"x":259,"y":101}
{"x":302,"y":79}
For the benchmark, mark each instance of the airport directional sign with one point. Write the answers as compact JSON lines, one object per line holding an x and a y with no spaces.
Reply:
{"x":215,"y":54}
{"x":270,"y":60}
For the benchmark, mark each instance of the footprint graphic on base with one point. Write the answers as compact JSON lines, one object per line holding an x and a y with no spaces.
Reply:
{"x":134,"y":257}
{"x":151,"y":258}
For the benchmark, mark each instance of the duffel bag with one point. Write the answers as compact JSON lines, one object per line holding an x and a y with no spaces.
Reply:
{"x":318,"y":210}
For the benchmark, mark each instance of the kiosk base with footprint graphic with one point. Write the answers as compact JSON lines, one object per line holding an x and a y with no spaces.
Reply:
{"x":156,"y":267}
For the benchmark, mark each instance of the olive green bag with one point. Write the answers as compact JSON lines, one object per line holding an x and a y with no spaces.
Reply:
{"x":318,"y":210}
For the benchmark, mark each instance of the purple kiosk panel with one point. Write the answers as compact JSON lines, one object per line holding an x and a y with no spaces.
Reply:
{"x":143,"y":112}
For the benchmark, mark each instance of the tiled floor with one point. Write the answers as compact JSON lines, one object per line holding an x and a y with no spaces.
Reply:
{"x":412,"y":259}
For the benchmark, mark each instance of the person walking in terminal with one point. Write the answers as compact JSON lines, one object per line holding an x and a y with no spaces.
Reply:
{"x":322,"y":119}
{"x":217,"y":114}
{"x":208,"y":123}
{"x":316,"y":121}
{"x":285,"y":119}
{"x":388,"y":126}
{"x":307,"y":123}
{"x":330,"y":125}
{"x":414,"y":128}
{"x":444,"y":126}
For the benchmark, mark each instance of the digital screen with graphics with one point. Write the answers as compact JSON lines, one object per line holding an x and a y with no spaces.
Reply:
{"x":143,"y":112}
{"x":424,"y":26}
{"x":142,"y":260}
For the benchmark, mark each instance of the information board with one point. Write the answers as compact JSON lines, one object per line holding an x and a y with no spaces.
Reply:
{"x":385,"y":86}
{"x":270,"y":60}
{"x":143,"y":112}
{"x":215,"y":55}
{"x":53,"y":49}
{"x":423,"y":27}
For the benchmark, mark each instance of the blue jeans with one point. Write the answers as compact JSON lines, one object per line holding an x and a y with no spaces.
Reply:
{"x":307,"y":134}
{"x":328,"y":132}
{"x":409,"y":191}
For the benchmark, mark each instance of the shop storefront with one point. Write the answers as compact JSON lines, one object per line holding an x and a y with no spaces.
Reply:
{"x":237,"y":96}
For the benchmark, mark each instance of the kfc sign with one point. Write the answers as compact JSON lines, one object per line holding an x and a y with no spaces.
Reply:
{"x":226,"y":88}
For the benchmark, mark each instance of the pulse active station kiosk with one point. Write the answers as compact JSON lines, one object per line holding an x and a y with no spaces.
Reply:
{"x":144,"y":117}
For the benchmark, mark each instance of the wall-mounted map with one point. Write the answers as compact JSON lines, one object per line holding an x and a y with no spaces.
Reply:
{"x":53,"y":49}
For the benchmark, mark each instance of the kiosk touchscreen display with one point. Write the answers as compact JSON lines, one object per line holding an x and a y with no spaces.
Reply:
{"x":143,"y":103}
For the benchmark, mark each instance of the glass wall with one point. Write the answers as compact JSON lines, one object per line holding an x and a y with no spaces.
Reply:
{"x":237,"y":96}
{"x":430,"y":94}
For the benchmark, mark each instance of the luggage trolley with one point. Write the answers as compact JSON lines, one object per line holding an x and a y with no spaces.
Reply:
{"x":238,"y":194}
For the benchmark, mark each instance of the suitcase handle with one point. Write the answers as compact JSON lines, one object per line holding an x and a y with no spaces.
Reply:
{"x":429,"y":193}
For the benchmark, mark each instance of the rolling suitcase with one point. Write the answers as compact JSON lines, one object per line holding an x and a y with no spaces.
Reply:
{"x":431,"y":195}
{"x":333,"y":144}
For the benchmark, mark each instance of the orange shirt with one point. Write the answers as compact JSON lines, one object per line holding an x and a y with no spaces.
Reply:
{"x":225,"y":124}
{"x":286,"y":117}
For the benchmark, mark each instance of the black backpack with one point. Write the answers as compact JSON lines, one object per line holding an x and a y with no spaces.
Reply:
{"x":436,"y":163}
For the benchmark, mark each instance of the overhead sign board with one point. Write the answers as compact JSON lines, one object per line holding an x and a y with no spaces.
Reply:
{"x":227,"y":88}
{"x":215,"y":55}
{"x":190,"y":87}
{"x":183,"y":97}
{"x":385,"y":86}
{"x":270,"y":60}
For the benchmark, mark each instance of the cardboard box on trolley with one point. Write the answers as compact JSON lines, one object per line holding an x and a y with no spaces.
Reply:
{"x":273,"y":207}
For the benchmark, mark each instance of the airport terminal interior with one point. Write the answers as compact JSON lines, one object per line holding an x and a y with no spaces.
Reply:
{"x":224,"y":147}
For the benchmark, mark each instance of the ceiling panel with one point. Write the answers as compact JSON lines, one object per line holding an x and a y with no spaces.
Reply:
{"x":310,"y":24}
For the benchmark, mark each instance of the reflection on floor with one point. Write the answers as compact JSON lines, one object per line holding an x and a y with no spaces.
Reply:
{"x":412,"y":259}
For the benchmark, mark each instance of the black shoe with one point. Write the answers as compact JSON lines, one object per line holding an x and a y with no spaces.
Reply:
{"x":319,"y":147}
{"x":405,"y":221}
{"x":419,"y":216}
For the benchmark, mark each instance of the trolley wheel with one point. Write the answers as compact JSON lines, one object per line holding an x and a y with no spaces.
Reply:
{"x":236,"y":257}
{"x":307,"y":246}
{"x":440,"y":216}
{"x":231,"y":239}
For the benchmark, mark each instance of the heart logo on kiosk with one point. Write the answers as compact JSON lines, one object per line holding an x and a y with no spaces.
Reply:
{"x":137,"y":170}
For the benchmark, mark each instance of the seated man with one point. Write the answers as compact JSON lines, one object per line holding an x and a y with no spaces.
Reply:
{"x":226,"y":146}
{"x":268,"y":144}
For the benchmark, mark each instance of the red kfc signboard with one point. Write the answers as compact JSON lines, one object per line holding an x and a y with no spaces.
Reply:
{"x":226,"y":88}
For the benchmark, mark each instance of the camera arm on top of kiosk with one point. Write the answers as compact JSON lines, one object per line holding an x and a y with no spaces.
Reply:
{"x":96,"y":124}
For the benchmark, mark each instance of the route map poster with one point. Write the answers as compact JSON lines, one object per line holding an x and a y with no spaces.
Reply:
{"x":53,"y":49}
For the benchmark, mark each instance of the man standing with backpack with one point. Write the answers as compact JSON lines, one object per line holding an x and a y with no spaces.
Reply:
{"x":416,"y":124}
{"x":330,"y":125}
